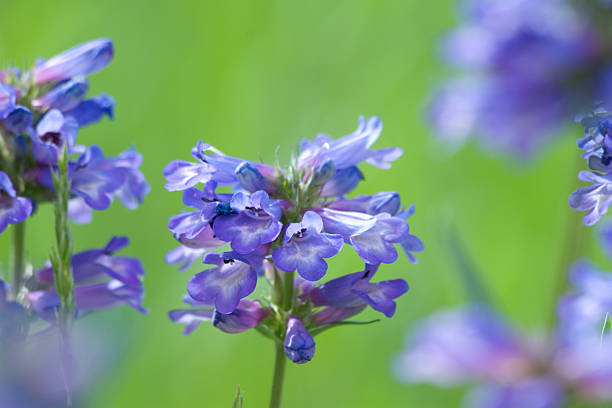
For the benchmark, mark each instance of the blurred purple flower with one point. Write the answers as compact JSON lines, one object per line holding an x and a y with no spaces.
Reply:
{"x":13,"y":209}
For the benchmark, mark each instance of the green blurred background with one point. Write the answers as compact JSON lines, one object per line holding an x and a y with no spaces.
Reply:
{"x":246,"y":77}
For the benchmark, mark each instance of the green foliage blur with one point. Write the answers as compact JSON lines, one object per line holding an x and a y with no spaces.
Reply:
{"x":247,"y":76}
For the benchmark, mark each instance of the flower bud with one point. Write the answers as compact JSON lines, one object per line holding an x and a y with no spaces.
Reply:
{"x":64,"y":96}
{"x":388,"y":202}
{"x":18,"y":120}
{"x":250,"y":178}
{"x":299,"y":344}
{"x":323,"y":173}
{"x":83,"y":59}
{"x":342,"y":182}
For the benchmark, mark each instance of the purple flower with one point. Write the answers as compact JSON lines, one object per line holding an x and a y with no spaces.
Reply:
{"x":342,"y":182}
{"x":256,"y":222}
{"x":538,"y":392}
{"x":595,"y":199}
{"x":83,"y":59}
{"x":224,"y":285}
{"x":102,"y":280}
{"x":97,"y":179}
{"x":13,"y":209}
{"x":93,"y":110}
{"x":299,"y":344}
{"x":19,"y":120}
{"x":348,"y":295}
{"x":524,"y":68}
{"x":305,"y":246}
{"x":350,"y":149}
{"x":7,"y":100}
{"x":372,"y":237}
{"x":14,"y":322}
{"x":247,"y":315}
{"x":63,"y":97}
{"x":470,"y":343}
{"x":53,"y":132}
{"x":217,"y":167}
{"x":191,"y":318}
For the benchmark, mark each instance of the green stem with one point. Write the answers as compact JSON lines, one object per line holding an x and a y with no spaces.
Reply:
{"x":279,"y":376}
{"x":18,"y":256}
{"x":288,"y":292}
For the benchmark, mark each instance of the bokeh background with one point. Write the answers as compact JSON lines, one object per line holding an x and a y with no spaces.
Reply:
{"x":247,"y":77}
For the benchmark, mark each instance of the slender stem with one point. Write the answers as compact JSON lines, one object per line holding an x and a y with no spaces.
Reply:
{"x":288,"y":292}
{"x":284,"y":298}
{"x":18,"y":256}
{"x":279,"y":376}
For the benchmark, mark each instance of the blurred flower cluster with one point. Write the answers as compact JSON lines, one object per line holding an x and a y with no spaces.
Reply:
{"x":597,"y":146}
{"x":41,"y":113}
{"x":474,"y":344}
{"x":281,"y":220}
{"x":524,"y":68}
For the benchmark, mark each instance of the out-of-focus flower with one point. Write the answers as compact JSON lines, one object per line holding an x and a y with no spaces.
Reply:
{"x":13,"y":209}
{"x":474,"y":345}
{"x":524,"y":68}
{"x":102,"y":280}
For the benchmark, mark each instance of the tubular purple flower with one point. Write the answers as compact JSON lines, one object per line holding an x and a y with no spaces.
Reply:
{"x":185,"y":255}
{"x":83,"y":59}
{"x":53,"y":131}
{"x":224,"y":285}
{"x":342,"y":182}
{"x":13,"y":209}
{"x":247,"y":315}
{"x":93,"y":110}
{"x":372,"y":237}
{"x":7,"y":100}
{"x":19,"y":120}
{"x":102,"y":280}
{"x":299,"y":344}
{"x":388,"y":202}
{"x":191,"y":318}
{"x":251,"y":179}
{"x":255,"y":223}
{"x":596,"y":198}
{"x":349,"y":294}
{"x":63,"y":97}
{"x":305,"y":246}
{"x":350,"y":149}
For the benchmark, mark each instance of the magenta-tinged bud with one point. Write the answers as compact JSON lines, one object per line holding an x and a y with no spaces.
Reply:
{"x":3,"y":77}
{"x":247,"y":315}
{"x":83,"y":59}
{"x":7,"y":100}
{"x":299,"y":344}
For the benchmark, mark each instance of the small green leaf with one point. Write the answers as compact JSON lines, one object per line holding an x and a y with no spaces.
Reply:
{"x":238,"y":399}
{"x":606,"y":329}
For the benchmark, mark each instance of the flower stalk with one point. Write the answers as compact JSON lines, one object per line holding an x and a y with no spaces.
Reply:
{"x":60,"y":258}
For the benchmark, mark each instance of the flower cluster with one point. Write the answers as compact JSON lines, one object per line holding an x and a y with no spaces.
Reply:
{"x":597,"y":145}
{"x":525,"y":66}
{"x":41,"y":112}
{"x":474,"y":344}
{"x":281,"y":220}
